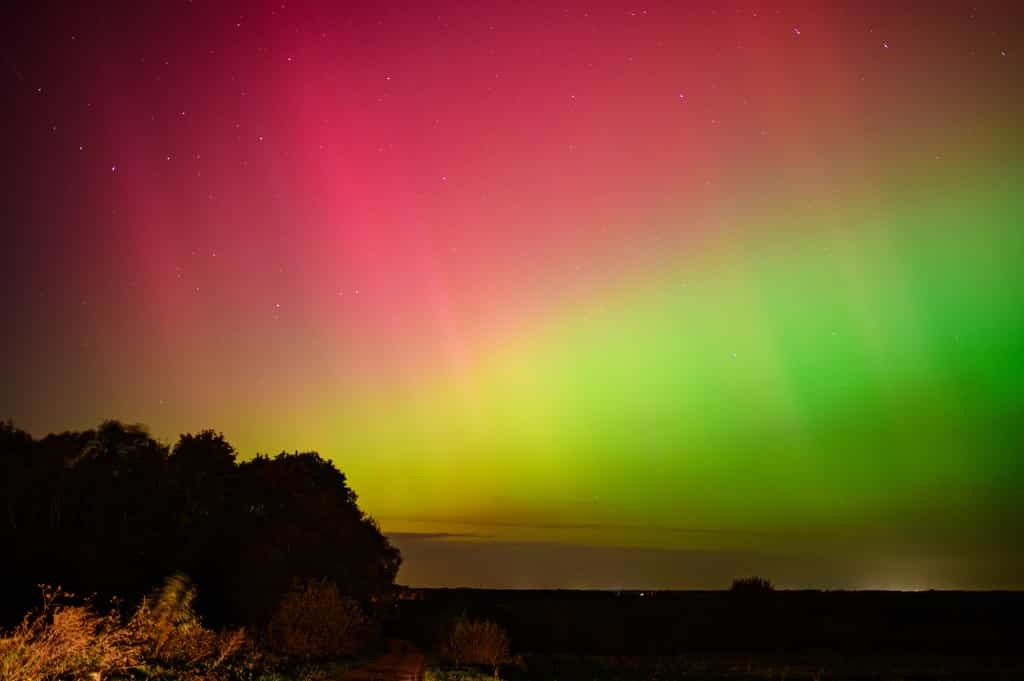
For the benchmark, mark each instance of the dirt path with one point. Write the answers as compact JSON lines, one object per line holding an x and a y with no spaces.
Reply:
{"x":402,"y":662}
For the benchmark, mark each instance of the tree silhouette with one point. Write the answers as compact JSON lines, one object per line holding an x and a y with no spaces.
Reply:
{"x":300,"y":519}
{"x":113,"y":511}
{"x":756,"y":585}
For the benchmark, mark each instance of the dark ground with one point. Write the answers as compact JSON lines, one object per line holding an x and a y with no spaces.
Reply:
{"x":571,"y":635}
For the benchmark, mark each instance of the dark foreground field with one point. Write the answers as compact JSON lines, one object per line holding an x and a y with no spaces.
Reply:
{"x":570,"y":635}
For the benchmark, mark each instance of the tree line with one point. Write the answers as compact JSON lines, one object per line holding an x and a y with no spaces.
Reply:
{"x":112,"y":511}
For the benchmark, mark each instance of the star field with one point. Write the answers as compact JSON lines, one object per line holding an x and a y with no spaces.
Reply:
{"x":580,"y":273}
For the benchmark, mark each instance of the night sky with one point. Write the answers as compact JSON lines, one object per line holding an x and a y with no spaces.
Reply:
{"x":577,"y":294}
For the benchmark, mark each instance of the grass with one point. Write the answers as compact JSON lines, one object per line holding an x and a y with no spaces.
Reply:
{"x":161,"y":640}
{"x":457,"y":674}
{"x":61,"y":639}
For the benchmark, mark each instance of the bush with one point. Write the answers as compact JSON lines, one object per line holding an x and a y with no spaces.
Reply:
{"x":477,"y":642}
{"x":61,"y":640}
{"x":315,"y":620}
{"x":752,"y":585}
{"x":168,"y":628}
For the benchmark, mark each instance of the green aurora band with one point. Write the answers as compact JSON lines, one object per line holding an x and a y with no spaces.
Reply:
{"x":850,"y":386}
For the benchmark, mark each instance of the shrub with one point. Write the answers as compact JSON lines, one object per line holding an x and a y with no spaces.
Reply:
{"x":168,"y":629}
{"x":477,"y":642}
{"x":229,"y":642}
{"x":315,"y":620}
{"x":752,"y":585}
{"x":62,"y":640}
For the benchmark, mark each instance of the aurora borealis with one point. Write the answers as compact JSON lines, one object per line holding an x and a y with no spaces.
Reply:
{"x":656,"y":293}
